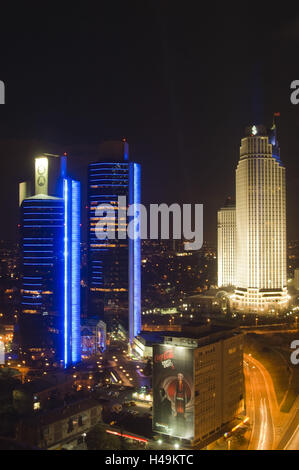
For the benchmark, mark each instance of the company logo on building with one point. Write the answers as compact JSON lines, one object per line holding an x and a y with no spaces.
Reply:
{"x":165,"y":358}
{"x":41,"y":175}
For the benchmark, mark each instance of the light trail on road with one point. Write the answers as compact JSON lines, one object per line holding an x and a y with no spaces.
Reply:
{"x":262,"y":436}
{"x":293,"y":443}
{"x":264,"y":425}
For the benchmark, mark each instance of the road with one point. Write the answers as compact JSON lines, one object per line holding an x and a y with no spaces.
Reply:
{"x":290,"y":440}
{"x":129,"y":370}
{"x":258,"y":406}
{"x":127,"y":375}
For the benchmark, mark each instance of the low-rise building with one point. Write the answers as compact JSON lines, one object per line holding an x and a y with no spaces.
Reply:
{"x":198,"y":383}
{"x":61,"y":427}
{"x":35,"y":394}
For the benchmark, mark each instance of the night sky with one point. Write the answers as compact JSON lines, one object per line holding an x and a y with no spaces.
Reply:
{"x":180,"y":83}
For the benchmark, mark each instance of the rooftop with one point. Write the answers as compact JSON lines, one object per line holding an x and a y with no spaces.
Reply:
{"x":201,"y":333}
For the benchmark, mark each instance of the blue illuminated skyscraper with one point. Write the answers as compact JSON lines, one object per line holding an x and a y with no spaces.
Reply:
{"x":50,"y":241}
{"x":114,"y":278}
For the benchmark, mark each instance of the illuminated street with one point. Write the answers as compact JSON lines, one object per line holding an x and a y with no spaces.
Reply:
{"x":149,"y":245}
{"x":290,"y":439}
{"x":258,"y":406}
{"x":124,"y":367}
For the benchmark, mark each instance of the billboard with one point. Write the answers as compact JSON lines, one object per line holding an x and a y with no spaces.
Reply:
{"x":173,"y":391}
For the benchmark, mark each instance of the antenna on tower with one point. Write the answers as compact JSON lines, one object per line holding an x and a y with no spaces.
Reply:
{"x":273,"y":134}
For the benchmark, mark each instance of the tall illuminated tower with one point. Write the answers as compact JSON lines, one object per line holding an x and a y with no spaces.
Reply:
{"x":114,"y":274}
{"x":50,"y":243}
{"x":226,"y":227}
{"x":260,"y":224}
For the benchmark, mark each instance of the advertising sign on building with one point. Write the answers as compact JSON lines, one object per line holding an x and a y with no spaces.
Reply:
{"x":173,"y":391}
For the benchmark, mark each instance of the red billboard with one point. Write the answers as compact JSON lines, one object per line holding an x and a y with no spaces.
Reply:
{"x":173,"y":391}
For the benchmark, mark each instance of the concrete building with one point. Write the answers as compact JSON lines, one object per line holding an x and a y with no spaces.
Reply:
{"x":198,"y":383}
{"x":226,"y":226}
{"x":60,"y":428}
{"x":143,"y":343}
{"x":34,"y":395}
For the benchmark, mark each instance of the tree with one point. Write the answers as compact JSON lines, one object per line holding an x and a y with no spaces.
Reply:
{"x":98,"y":439}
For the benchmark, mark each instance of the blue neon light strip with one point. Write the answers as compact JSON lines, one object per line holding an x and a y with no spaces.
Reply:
{"x":38,"y":257}
{"x":30,"y":277}
{"x":104,"y":195}
{"x":75,"y":318}
{"x":38,"y":239}
{"x":109,"y":179}
{"x":72,"y":334}
{"x":38,"y":264}
{"x":112,"y":173}
{"x":43,"y":226}
{"x":38,"y":244}
{"x":37,"y":251}
{"x":134,"y":259}
{"x":66,"y":260}
{"x":44,"y":213}
{"x":41,"y":220}
{"x":33,"y":305}
{"x":137,"y":256}
{"x":107,"y":163}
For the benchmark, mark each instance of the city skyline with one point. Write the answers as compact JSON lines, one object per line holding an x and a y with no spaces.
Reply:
{"x":182,"y":102}
{"x":79,"y":171}
{"x":149,"y":244}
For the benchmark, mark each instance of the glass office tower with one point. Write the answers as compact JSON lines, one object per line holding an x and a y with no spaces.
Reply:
{"x":114,"y":279}
{"x":50,"y":242}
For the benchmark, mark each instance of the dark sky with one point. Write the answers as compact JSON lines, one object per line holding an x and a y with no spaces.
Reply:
{"x":179,"y":82}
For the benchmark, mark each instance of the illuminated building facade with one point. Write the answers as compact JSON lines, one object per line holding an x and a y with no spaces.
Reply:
{"x":198,"y":383}
{"x":93,"y":337}
{"x":50,"y":244}
{"x":226,"y":219}
{"x":114,"y":279}
{"x":261,"y":277}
